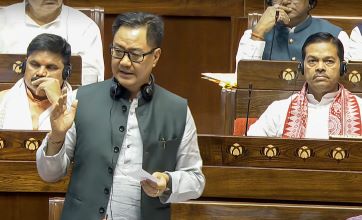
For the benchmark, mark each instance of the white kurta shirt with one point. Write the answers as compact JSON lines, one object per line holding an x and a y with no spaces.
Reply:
{"x":187,"y":180}
{"x":271,"y":122}
{"x":17,"y":29}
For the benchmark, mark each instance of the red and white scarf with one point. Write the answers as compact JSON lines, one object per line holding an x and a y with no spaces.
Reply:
{"x":344,"y":115}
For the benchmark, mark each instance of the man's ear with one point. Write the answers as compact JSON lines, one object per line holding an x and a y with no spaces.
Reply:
{"x":156,"y":56}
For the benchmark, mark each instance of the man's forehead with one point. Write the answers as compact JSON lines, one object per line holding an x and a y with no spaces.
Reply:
{"x":45,"y":55}
{"x":321,"y":48}
{"x":129,"y":36}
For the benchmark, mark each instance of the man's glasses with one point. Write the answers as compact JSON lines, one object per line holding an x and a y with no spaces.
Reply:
{"x":134,"y":57}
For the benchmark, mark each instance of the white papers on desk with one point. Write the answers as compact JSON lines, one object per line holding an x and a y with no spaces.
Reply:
{"x":223,"y":79}
{"x":140,"y":175}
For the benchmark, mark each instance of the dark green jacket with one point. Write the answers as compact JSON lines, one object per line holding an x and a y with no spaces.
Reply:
{"x":101,"y":124}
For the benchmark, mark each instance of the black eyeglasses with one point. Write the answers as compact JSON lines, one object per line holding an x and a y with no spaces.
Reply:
{"x":134,"y":57}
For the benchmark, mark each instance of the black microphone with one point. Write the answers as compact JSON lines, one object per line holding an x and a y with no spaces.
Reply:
{"x":272,"y":41}
{"x":248,"y":109}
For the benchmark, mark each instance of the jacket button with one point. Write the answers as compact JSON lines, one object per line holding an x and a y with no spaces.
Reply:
{"x":110,"y":170}
{"x":124,"y":108}
{"x":106,"y":191}
{"x":116,"y":149}
{"x":121,"y":128}
{"x":101,"y":210}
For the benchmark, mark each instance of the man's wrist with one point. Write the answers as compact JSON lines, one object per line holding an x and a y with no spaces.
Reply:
{"x":56,"y":138}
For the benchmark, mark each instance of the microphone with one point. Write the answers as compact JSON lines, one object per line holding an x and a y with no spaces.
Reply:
{"x":272,"y":41}
{"x":248,"y":109}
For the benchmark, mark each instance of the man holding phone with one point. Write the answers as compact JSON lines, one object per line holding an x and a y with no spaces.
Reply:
{"x":28,"y":104}
{"x":282,"y":30}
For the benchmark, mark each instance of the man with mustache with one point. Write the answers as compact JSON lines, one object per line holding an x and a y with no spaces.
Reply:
{"x":323,"y":107}
{"x":28,"y":104}
{"x":282,"y":30}
{"x":122,"y":125}
{"x":21,"y":22}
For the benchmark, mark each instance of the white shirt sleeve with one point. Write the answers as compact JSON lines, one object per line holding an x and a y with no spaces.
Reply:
{"x":343,"y":37}
{"x":249,"y":49}
{"x":355,"y":45}
{"x":188,"y":181}
{"x":53,"y":168}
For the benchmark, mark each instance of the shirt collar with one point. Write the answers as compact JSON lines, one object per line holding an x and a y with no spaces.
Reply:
{"x":326,"y":99}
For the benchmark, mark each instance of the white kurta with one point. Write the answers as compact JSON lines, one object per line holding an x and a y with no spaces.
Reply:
{"x":271,"y":122}
{"x":17,"y":30}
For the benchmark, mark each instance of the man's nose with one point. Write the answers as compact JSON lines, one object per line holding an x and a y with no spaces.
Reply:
{"x":125,"y":61}
{"x":42,"y":71}
{"x":320,"y":66}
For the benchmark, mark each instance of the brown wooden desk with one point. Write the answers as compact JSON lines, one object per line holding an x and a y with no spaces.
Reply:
{"x":272,"y":178}
{"x":23,"y":195}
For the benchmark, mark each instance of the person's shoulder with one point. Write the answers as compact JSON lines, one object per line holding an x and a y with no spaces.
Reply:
{"x":324,"y":23}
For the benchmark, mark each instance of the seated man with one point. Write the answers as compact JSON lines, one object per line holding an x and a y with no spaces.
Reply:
{"x":21,"y":22}
{"x":282,"y":30}
{"x":355,"y":45}
{"x":28,"y":104}
{"x":323,"y":107}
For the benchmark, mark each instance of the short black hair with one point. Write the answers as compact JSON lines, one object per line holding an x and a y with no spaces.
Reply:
{"x":52,"y":43}
{"x":154,"y":24}
{"x":324,"y":37}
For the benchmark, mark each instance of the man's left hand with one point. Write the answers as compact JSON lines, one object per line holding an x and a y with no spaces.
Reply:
{"x":153,"y":189}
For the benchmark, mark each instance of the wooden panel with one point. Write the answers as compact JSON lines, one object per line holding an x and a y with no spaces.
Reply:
{"x":267,"y":211}
{"x":258,"y":73}
{"x":19,"y":145}
{"x":18,"y":176}
{"x":347,"y":23}
{"x":184,"y":59}
{"x":20,"y":206}
{"x":254,"y":6}
{"x":168,"y":7}
{"x":242,"y":168}
{"x":341,"y":8}
{"x":215,"y":151}
{"x":283,"y":184}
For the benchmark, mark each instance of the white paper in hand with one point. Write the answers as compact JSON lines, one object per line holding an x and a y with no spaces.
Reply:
{"x":140,"y":175}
